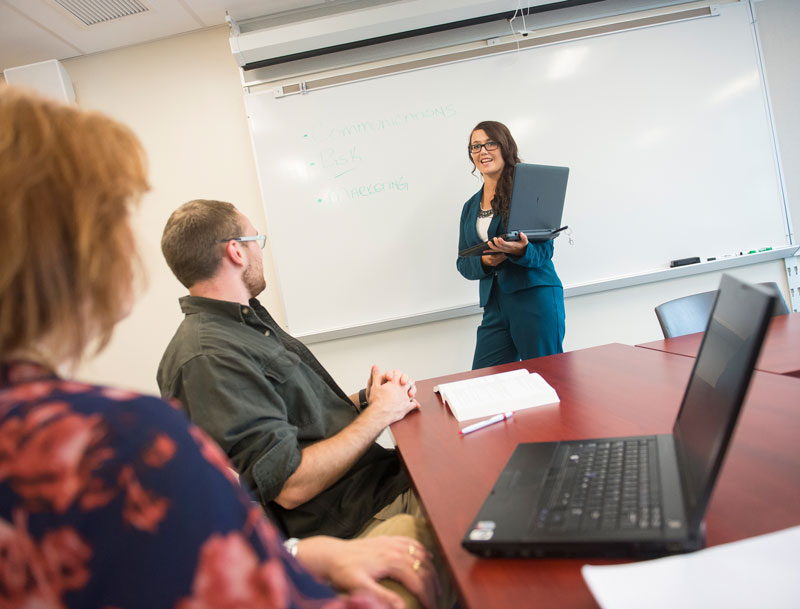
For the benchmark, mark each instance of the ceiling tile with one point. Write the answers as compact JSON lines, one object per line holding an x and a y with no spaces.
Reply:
{"x":22,"y":41}
{"x":245,"y":9}
{"x":165,"y":18}
{"x":37,"y":30}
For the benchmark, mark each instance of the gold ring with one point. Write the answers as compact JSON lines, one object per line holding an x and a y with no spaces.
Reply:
{"x":417,"y":563}
{"x":411,"y":550}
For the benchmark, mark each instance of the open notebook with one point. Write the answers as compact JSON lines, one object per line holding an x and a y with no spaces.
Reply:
{"x":485,"y":396}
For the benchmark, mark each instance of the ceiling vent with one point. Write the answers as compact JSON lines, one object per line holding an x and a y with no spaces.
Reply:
{"x":95,"y":12}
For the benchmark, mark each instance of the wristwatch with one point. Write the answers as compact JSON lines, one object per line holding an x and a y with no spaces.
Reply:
{"x":362,"y":399}
{"x":291,"y":545}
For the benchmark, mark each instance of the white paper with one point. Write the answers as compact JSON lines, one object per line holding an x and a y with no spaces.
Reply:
{"x":486,"y":396}
{"x":763,"y":571}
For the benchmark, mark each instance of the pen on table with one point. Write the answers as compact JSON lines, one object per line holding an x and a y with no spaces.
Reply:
{"x":486,"y":422}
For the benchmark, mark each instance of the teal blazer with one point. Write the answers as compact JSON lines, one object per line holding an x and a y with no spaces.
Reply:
{"x":533,"y":269}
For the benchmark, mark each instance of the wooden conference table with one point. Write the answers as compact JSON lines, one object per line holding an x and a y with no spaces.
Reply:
{"x":605,"y":391}
{"x":780,"y":353}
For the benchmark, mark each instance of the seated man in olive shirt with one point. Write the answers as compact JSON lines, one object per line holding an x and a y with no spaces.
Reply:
{"x":304,"y":447}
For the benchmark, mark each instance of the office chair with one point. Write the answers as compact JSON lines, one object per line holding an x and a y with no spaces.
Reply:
{"x":780,"y":308}
{"x":686,"y":315}
{"x":690,"y":314}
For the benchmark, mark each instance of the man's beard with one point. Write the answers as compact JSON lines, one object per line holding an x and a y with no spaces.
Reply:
{"x":254,"y":280}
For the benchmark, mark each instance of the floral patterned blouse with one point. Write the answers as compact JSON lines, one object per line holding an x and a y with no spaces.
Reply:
{"x":113,"y":500}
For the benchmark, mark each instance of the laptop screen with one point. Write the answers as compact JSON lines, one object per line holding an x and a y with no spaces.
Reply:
{"x":717,"y":386}
{"x":537,"y":196}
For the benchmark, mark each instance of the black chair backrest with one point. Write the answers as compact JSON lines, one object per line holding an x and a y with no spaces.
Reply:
{"x":690,"y":314}
{"x":686,"y":315}
{"x":780,"y":307}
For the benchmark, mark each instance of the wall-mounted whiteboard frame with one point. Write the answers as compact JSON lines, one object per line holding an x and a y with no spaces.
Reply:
{"x":333,"y":285}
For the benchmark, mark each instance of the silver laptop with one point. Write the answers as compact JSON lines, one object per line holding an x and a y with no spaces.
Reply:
{"x":633,"y":496}
{"x":537,"y":203}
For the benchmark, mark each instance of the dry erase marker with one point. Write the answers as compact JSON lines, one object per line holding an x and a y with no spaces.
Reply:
{"x":486,"y":422}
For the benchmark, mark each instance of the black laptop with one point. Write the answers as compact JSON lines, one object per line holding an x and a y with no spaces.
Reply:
{"x":632,"y":496}
{"x":537,"y":203}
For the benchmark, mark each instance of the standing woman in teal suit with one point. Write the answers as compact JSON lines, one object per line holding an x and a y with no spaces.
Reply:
{"x":520,"y":292}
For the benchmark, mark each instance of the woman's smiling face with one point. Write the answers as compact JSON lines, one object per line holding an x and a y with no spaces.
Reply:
{"x":489,"y":162}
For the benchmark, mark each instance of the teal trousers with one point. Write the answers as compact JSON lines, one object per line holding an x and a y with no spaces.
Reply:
{"x":522,"y":325}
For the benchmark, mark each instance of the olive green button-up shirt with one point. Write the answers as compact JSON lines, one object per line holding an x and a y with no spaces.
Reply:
{"x":263,"y":396}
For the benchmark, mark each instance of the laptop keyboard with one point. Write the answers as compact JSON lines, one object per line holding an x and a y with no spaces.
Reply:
{"x":602,"y":485}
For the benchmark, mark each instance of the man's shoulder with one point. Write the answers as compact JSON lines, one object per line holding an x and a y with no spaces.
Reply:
{"x":204,"y":336}
{"x":198,"y":335}
{"x":204,"y":330}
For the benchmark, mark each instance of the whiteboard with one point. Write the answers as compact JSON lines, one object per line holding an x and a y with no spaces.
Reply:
{"x":665,"y":129}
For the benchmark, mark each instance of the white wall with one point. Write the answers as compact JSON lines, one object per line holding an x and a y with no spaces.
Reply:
{"x":182,"y":96}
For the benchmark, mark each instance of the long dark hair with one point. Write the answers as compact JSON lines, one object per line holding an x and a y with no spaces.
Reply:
{"x":508,"y":147}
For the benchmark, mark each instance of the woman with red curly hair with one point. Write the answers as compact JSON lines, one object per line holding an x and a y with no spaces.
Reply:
{"x":109,"y":498}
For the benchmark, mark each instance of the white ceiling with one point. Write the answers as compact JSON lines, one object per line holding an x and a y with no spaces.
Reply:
{"x":37,"y":30}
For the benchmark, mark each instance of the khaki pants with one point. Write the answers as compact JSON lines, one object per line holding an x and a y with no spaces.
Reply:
{"x":405,"y":516}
